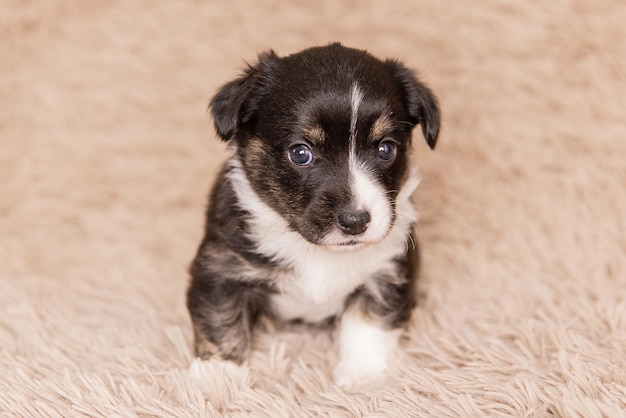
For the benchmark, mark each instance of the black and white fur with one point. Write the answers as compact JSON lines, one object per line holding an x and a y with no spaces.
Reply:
{"x":311,"y":218}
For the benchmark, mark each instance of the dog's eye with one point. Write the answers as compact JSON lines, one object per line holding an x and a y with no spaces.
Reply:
{"x":300,"y":155}
{"x":387,"y":150}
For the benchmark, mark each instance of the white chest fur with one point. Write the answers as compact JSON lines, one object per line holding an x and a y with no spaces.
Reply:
{"x":320,"y":279}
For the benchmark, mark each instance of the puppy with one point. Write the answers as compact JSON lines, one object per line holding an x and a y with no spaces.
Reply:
{"x":311,"y":218}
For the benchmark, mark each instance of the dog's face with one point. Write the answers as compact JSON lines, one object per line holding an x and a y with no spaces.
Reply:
{"x":323,"y":137}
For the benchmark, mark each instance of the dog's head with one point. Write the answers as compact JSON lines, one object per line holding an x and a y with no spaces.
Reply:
{"x":323,"y":137}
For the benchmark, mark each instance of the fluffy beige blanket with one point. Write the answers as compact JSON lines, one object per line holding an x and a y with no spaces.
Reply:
{"x":107,"y":153}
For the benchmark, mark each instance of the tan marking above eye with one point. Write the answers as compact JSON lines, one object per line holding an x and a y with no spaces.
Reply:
{"x":314,"y":133}
{"x":381,"y":127}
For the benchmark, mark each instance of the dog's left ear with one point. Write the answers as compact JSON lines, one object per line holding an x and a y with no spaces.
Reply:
{"x":421,"y":103}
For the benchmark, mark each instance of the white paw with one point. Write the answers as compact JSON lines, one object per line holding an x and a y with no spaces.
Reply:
{"x":350,"y":374}
{"x":365,"y":349}
{"x":201,"y":372}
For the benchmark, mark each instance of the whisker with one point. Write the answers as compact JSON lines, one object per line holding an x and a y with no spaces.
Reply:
{"x":409,"y":237}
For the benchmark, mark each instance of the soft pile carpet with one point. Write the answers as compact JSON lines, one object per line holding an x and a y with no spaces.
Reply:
{"x":107,"y":154}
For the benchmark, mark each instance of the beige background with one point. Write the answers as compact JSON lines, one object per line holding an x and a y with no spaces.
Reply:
{"x":107,"y":153}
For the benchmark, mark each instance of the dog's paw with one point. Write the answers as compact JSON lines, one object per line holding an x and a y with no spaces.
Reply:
{"x":350,"y":374}
{"x":365,"y":350}
{"x":200,"y":371}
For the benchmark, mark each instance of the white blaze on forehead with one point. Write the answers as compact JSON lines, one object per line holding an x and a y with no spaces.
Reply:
{"x":356,"y":97}
{"x":367,"y":193}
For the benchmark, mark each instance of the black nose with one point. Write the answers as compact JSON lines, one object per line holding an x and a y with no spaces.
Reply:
{"x":353,"y":223}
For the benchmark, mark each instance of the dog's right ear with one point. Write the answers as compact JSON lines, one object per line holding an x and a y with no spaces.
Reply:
{"x":235,"y":103}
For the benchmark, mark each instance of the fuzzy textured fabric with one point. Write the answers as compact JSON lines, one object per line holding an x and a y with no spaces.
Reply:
{"x":107,"y":155}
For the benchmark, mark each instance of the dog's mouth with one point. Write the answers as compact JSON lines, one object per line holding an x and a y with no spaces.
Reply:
{"x":351,"y":243}
{"x":338,"y":240}
{"x":347,"y":245}
{"x":343,"y":243}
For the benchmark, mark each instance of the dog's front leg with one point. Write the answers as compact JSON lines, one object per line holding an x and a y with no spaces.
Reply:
{"x":223,"y":313}
{"x":369,"y":332}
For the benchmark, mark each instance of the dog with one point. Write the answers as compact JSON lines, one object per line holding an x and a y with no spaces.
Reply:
{"x":310,"y":219}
